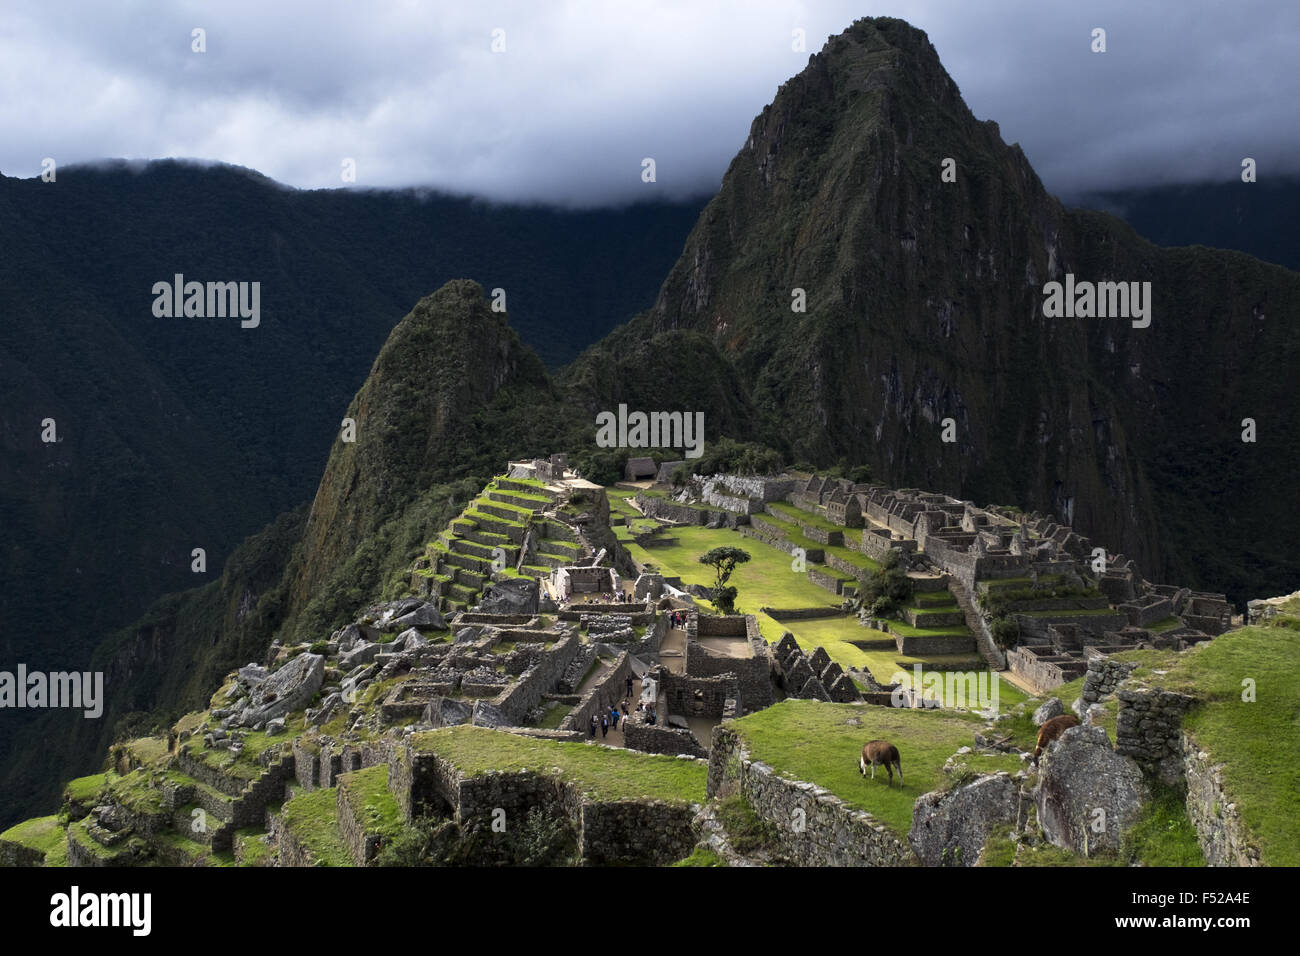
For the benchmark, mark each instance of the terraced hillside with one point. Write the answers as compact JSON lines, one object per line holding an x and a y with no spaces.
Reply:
{"x":515,"y":527}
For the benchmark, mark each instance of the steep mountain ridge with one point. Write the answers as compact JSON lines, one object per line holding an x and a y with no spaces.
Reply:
{"x":924,"y":302}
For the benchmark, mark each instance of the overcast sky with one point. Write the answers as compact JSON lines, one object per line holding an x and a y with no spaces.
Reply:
{"x":584,"y":90}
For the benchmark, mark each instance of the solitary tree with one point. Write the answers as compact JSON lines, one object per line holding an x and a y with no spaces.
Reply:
{"x":724,"y":561}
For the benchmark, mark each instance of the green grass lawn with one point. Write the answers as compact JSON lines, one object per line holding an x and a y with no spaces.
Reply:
{"x":790,"y":531}
{"x":601,"y":773}
{"x":84,"y":789}
{"x":768,"y":579}
{"x":1163,"y":834}
{"x":813,"y":741}
{"x":554,"y":716}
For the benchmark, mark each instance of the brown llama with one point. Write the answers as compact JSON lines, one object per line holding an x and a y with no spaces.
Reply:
{"x":881,"y":752}
{"x":1052,"y":730}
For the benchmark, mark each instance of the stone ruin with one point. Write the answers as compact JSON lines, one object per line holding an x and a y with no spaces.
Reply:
{"x":814,"y":677}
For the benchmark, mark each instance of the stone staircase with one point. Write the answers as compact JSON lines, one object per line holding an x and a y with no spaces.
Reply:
{"x":975,"y":621}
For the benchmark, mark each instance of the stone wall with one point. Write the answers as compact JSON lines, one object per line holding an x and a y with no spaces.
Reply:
{"x":15,"y":854}
{"x":719,"y":625}
{"x":753,"y":674}
{"x":845,"y":567}
{"x":1150,"y":729}
{"x":689,"y":696}
{"x":825,"y":580}
{"x":1034,"y":627}
{"x":659,"y":738}
{"x":1223,"y":837}
{"x":637,"y":612}
{"x":668,"y":510}
{"x":833,"y":833}
{"x":821,"y":535}
{"x":760,"y":488}
{"x":1043,"y":671}
{"x":361,"y":846}
{"x":926,"y":645}
{"x":715,"y":497}
{"x":876,"y":545}
{"x":1147,"y":610}
{"x":526,"y":693}
{"x":616,"y":833}
{"x":1104,"y":677}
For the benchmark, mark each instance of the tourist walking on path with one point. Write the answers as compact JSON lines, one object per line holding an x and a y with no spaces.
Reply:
{"x":604,"y":725}
{"x":593,"y":726}
{"x":629,"y":686}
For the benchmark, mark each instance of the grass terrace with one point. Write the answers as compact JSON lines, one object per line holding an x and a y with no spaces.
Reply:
{"x":855,"y":558}
{"x":46,"y":835}
{"x":312,"y":818}
{"x":85,"y":789}
{"x":907,"y":630}
{"x":790,"y":513}
{"x":1255,"y":739}
{"x":601,"y":773}
{"x":372,"y":803}
{"x":790,"y":531}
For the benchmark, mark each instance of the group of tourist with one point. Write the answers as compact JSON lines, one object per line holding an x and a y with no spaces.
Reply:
{"x":607,"y":596}
{"x":677,"y":619}
{"x":614,"y":720}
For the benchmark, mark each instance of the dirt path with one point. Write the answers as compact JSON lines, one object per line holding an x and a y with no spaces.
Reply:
{"x":1020,"y":682}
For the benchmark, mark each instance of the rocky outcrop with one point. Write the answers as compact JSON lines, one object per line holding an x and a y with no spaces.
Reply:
{"x":1052,"y":707}
{"x":950,"y":827}
{"x":510,"y":596}
{"x":279,"y":693}
{"x":1088,"y":796}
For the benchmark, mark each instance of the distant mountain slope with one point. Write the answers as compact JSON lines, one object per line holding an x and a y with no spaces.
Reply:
{"x":1255,"y":218}
{"x":182,"y":432}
